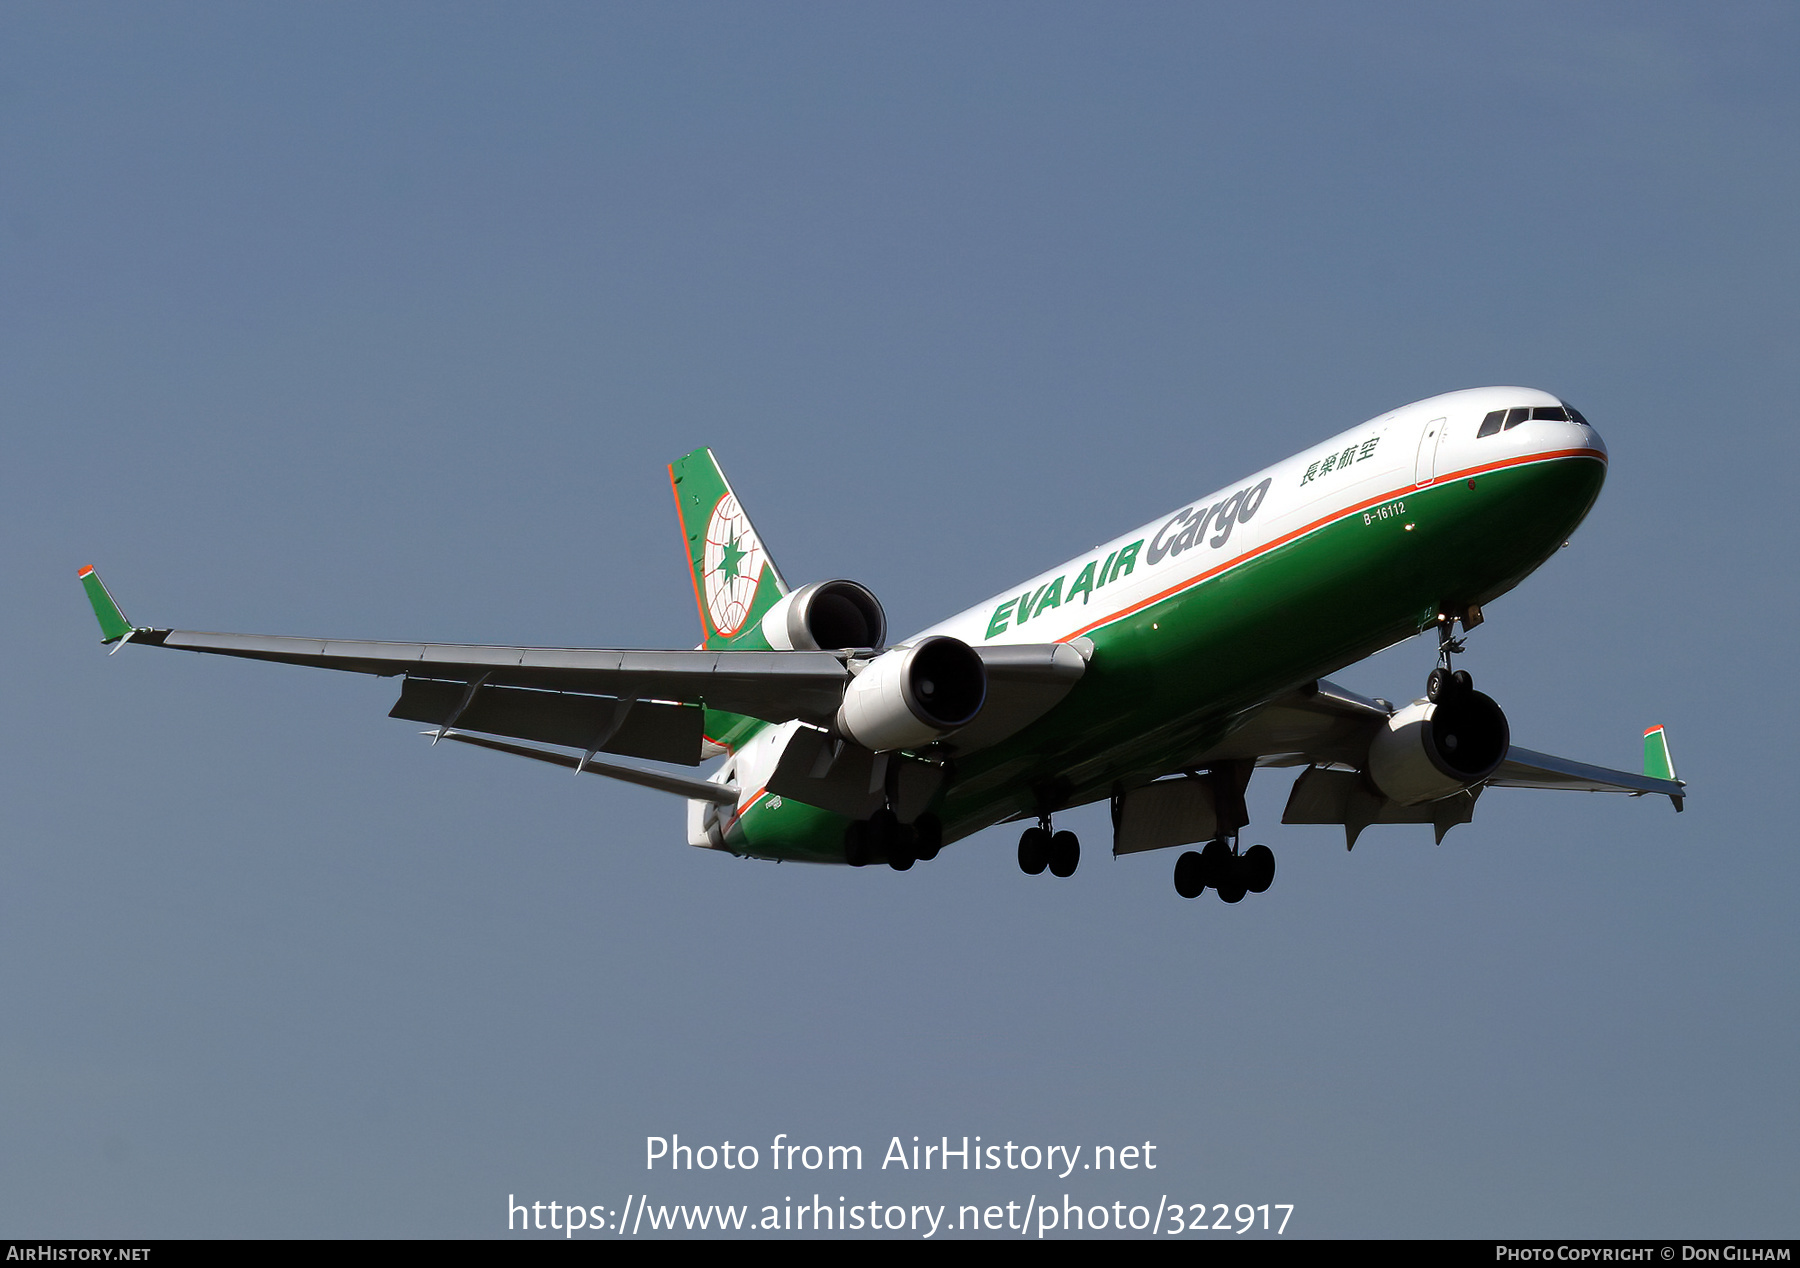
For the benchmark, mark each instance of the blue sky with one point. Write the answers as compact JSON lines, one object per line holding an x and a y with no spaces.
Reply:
{"x":382,"y":320}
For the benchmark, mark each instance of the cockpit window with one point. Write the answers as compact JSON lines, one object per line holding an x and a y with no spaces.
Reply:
{"x":1507,"y":419}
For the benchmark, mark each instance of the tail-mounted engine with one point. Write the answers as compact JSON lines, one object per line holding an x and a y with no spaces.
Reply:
{"x":1428,"y":751}
{"x":826,"y":616}
{"x":908,"y":697}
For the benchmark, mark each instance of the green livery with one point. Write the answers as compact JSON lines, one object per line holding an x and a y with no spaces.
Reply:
{"x":735,"y":581}
{"x":113,"y":625}
{"x":1157,"y":672}
{"x":1657,"y":762}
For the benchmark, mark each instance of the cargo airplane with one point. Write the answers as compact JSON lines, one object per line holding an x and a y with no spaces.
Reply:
{"x":1155,"y":672}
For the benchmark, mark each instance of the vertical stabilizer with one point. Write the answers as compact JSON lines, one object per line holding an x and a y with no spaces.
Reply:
{"x":735,"y":581}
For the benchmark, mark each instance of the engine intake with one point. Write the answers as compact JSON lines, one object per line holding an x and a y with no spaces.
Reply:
{"x":1428,"y":751}
{"x":911,"y":696}
{"x":826,"y":616}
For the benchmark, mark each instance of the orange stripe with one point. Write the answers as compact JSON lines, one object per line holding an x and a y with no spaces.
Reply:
{"x":1653,"y":730}
{"x":1364,"y":505}
{"x":699,"y":603}
{"x":745,"y":808}
{"x":84,"y":572}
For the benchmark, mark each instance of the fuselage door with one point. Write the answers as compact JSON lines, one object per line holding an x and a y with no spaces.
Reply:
{"x":1425,"y":466}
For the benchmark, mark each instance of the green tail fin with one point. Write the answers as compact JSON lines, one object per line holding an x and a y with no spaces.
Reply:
{"x":1657,"y":762}
{"x":113,"y":625}
{"x":735,"y":581}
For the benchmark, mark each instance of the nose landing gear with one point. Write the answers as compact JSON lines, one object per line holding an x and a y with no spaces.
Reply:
{"x":1447,"y":683}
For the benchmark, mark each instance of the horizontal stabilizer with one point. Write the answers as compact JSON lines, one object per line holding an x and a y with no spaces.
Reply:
{"x":680,"y":785}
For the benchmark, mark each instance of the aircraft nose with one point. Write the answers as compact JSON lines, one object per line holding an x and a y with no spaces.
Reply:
{"x":1589,"y":438}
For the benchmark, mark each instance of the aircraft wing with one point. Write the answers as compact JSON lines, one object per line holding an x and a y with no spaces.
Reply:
{"x":1330,"y":726}
{"x":1526,"y":769}
{"x":775,"y":686}
{"x":642,"y":703}
{"x":1321,"y":726}
{"x":1328,"y":730}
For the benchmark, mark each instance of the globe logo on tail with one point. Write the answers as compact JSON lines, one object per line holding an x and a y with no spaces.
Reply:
{"x":733,"y":562}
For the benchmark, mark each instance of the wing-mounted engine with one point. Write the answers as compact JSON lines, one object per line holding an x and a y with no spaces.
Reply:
{"x":1429,"y":751}
{"x":910,"y":696}
{"x":826,"y":616}
{"x":1426,"y":763}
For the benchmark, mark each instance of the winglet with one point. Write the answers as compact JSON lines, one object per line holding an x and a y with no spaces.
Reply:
{"x":113,"y":625}
{"x":1657,"y":762}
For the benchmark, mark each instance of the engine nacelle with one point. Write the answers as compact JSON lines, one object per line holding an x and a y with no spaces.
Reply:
{"x":826,"y":616}
{"x":1430,"y":750}
{"x":910,"y":696}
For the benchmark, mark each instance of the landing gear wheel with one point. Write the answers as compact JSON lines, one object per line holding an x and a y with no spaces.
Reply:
{"x":1232,"y":888}
{"x":1226,"y":872}
{"x":1187,"y":875}
{"x":856,"y":843}
{"x":1216,"y":859}
{"x":1438,"y":685}
{"x":1465,"y":684}
{"x":929,"y":837}
{"x":1034,"y":850}
{"x":902,"y":841}
{"x":1259,"y":868}
{"x":1065,"y":854}
{"x":885,"y":836}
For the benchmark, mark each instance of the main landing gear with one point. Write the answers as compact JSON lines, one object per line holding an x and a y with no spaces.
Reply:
{"x":1219,"y":866}
{"x":883,"y":838}
{"x":1039,"y":848}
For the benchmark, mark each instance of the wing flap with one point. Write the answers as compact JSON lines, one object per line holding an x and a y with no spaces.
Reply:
{"x":845,"y":778}
{"x":1169,"y":812}
{"x":1343,"y":797}
{"x":680,"y":785}
{"x":647,"y":729}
